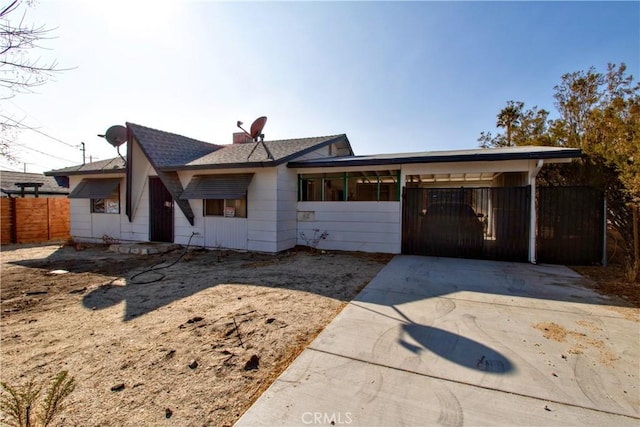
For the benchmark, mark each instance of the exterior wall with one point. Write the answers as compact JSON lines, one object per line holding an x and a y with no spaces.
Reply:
{"x":262,"y":205}
{"x":353,"y":226}
{"x":257,"y":232}
{"x":287,"y":201}
{"x":138,"y":228}
{"x":92,"y":227}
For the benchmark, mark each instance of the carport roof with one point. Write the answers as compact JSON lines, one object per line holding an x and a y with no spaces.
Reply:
{"x":472,"y":155}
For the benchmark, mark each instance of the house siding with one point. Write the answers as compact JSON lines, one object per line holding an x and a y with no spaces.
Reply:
{"x":263,"y":212}
{"x":287,"y":195}
{"x":352,"y":226}
{"x":94,"y":227}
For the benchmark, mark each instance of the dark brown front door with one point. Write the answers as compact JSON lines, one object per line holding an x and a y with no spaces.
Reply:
{"x":160,"y":212}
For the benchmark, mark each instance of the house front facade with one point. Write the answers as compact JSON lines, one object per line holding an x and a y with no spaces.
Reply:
{"x":271,"y":196}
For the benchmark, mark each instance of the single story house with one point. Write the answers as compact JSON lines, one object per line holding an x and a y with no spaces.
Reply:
{"x":273,"y":195}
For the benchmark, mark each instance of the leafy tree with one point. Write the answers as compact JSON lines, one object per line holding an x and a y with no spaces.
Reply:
{"x":508,"y":118}
{"x":599,"y":113}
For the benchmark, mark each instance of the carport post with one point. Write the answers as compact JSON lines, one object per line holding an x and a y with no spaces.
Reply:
{"x":534,"y":209}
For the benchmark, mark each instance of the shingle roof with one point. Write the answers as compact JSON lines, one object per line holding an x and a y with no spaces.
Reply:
{"x":252,"y":153}
{"x":103,"y":166}
{"x":169,"y":149}
{"x":8,"y":179}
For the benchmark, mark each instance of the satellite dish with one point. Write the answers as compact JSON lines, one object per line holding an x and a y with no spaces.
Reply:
{"x":257,"y":126}
{"x":116,"y":135}
{"x":256,"y":135}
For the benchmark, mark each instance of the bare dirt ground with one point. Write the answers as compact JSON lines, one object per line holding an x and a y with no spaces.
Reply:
{"x":612,"y":280}
{"x":195,"y":347}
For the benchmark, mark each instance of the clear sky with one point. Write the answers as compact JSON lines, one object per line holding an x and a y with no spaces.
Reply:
{"x":393,"y":76}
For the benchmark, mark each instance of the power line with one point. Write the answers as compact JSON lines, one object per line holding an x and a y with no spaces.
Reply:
{"x":42,"y":152}
{"x":38,"y":131}
{"x":9,"y":168}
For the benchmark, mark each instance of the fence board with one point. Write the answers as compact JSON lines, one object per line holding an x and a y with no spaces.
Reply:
{"x":34,"y":220}
{"x":6,"y":220}
{"x":31,"y":220}
{"x":59,"y":219}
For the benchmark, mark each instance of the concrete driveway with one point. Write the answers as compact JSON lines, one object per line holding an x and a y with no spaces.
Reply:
{"x":441,"y":341}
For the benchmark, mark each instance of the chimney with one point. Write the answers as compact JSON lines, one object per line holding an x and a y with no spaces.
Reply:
{"x":241,"y":138}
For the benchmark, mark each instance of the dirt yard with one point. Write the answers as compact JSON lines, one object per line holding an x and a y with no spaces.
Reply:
{"x":194,"y":347}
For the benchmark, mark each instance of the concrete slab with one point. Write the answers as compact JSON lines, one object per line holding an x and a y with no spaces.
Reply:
{"x":449,"y":341}
{"x":143,"y":248}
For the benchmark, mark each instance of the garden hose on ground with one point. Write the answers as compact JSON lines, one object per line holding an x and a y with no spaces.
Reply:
{"x":154,"y":268}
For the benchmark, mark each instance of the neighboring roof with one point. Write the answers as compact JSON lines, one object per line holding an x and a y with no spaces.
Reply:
{"x":253,"y":154}
{"x":95,"y":188}
{"x":165,"y":149}
{"x":472,"y":155}
{"x":224,"y":186}
{"x":115,"y":165}
{"x":9,"y":179}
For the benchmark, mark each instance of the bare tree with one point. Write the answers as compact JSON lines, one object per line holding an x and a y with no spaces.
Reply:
{"x":20,"y":70}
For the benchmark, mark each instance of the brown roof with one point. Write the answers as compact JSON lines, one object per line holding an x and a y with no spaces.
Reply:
{"x":113,"y":165}
{"x":9,"y":179}
{"x":254,"y":153}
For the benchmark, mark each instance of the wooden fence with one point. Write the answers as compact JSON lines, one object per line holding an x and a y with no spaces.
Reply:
{"x":34,"y":220}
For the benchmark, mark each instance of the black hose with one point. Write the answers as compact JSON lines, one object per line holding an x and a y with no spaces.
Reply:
{"x":154,"y":268}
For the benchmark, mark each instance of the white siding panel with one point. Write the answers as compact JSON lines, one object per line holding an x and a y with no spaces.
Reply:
{"x":80,"y":214}
{"x":230,"y":233}
{"x":354,"y":226}
{"x":287,"y":196}
{"x":262,"y":211}
{"x":263,"y":236}
{"x":183,"y":230}
{"x":105,"y":225}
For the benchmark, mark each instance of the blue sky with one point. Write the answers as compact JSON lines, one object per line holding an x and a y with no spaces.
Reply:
{"x":395,"y":77}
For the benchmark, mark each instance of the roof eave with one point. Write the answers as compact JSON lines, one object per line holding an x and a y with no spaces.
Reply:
{"x":86,"y":172}
{"x":568,"y":154}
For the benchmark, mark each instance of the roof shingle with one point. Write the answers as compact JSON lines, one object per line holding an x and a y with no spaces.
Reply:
{"x":281,"y":150}
{"x":169,"y":149}
{"x":8,"y":179}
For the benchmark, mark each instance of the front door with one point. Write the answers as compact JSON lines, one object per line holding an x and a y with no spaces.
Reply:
{"x":160,"y":212}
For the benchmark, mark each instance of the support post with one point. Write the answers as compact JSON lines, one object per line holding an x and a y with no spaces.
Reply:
{"x":533,"y":211}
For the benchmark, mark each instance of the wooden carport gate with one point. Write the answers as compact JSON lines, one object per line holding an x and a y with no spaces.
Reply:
{"x":494,"y":223}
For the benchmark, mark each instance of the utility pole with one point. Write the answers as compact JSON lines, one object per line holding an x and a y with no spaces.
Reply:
{"x":83,"y":152}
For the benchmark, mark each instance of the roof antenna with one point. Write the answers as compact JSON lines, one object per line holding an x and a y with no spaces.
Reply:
{"x":116,"y":135}
{"x":256,"y":135}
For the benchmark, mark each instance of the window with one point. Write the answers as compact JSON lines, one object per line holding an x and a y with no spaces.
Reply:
{"x":232,"y":208}
{"x":365,"y":186}
{"x":110,"y":205}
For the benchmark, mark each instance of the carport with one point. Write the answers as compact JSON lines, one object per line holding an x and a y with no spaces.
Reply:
{"x":486,"y":205}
